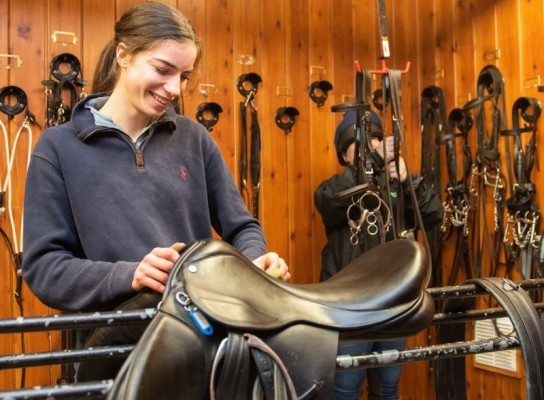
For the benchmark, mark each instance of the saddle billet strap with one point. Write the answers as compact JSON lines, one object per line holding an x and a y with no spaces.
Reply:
{"x":450,"y":373}
{"x":234,"y":377}
{"x":272,"y":382}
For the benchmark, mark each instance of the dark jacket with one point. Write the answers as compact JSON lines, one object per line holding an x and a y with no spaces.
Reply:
{"x":96,"y":203}
{"x":339,"y":251}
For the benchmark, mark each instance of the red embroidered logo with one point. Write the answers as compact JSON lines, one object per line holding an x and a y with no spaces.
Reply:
{"x":183,"y":173}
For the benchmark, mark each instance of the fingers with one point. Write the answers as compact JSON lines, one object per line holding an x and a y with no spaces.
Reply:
{"x":274,"y":265}
{"x":177,"y":246}
{"x":278,"y":268}
{"x":154,"y":269}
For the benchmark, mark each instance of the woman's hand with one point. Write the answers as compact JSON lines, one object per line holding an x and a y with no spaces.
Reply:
{"x":273,"y":264}
{"x":154,"y":269}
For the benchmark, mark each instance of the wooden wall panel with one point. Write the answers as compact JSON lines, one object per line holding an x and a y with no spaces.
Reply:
{"x":289,"y":43}
{"x":321,"y":149}
{"x":299,"y":161}
{"x":274,"y":182}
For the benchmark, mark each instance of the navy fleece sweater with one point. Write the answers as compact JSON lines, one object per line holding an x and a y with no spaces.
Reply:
{"x":96,"y":203}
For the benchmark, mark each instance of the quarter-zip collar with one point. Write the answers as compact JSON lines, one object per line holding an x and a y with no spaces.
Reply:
{"x":83,"y":120}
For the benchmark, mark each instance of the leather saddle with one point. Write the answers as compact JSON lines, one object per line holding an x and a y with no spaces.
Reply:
{"x":225,"y":329}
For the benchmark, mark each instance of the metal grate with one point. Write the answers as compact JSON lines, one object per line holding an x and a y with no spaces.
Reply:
{"x":486,"y":329}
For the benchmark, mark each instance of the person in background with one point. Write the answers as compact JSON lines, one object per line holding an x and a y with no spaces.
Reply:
{"x":114,"y":194}
{"x":339,"y":250}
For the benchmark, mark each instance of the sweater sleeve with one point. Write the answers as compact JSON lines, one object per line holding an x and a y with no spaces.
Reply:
{"x":229,"y":214}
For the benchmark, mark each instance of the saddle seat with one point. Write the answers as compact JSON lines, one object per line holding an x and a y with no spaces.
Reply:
{"x":379,"y":294}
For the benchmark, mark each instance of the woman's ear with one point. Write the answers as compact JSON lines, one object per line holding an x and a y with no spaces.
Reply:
{"x":122,"y":55}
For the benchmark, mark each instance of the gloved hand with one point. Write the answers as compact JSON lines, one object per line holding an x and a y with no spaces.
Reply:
{"x":386,"y":149}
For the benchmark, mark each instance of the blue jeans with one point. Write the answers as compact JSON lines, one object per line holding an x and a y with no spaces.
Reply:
{"x":384,"y":380}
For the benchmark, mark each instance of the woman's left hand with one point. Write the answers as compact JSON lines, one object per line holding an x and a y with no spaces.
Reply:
{"x":273,"y":264}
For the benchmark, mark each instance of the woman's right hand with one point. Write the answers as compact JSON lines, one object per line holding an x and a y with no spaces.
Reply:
{"x":154,"y":269}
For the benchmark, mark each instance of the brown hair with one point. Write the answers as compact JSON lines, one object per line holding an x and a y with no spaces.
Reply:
{"x":139,"y":28}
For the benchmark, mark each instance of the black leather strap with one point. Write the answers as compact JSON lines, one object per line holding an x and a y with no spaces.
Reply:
{"x":522,"y":211}
{"x":433,"y":126}
{"x":457,"y":204}
{"x":248,"y":86}
{"x":490,"y":92}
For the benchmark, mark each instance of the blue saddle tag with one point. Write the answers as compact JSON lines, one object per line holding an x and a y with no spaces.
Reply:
{"x":200,"y":320}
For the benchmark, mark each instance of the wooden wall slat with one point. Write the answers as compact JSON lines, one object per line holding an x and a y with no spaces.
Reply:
{"x":96,"y":31}
{"x":300,"y":204}
{"x":274,"y":181}
{"x":321,"y":121}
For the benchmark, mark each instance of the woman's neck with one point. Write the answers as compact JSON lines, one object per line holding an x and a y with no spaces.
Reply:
{"x":129,"y":119}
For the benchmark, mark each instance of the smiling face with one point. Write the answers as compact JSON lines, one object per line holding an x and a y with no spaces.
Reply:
{"x":149,"y":80}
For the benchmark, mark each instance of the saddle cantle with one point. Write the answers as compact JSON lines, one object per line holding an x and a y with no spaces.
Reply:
{"x":380,"y":294}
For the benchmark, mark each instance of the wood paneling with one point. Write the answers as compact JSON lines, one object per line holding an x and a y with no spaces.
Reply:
{"x":289,"y":43}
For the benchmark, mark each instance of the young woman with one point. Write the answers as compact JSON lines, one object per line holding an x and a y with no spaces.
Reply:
{"x":113,"y":194}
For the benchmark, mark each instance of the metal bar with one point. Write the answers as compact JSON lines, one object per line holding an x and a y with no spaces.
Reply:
{"x":447,"y":350}
{"x":474,"y":315}
{"x":78,"y":391}
{"x":114,"y":318}
{"x":76,"y":321}
{"x":64,"y":356}
{"x":471,"y":290}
